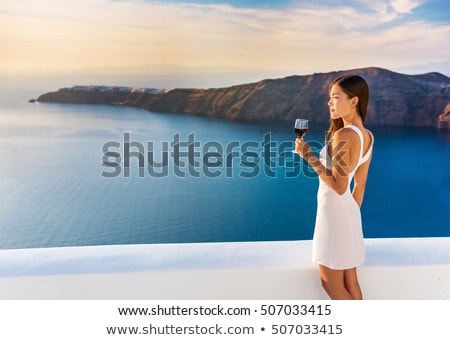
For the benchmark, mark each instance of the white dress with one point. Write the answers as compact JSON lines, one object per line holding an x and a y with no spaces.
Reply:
{"x":338,"y":241}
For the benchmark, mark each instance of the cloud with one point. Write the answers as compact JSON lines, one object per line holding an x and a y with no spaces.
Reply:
{"x":405,"y":6}
{"x":387,"y":11}
{"x":53,"y":35}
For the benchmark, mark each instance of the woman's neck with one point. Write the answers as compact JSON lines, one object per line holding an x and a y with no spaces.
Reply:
{"x":354,"y":120}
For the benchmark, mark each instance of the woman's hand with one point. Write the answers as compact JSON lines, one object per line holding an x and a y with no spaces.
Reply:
{"x":302,"y":148}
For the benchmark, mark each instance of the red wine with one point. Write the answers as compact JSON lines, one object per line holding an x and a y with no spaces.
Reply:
{"x":300,"y":132}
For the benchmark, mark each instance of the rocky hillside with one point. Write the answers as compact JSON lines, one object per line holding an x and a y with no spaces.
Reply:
{"x":396,"y":99}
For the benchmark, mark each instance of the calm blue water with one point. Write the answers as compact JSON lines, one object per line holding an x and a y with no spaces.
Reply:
{"x":54,"y":194}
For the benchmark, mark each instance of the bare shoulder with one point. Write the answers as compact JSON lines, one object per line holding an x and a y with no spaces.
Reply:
{"x":368,"y":139}
{"x":345,"y":135}
{"x":370,"y":135}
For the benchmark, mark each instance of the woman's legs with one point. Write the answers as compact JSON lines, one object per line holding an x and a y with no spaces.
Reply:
{"x":340,"y":284}
{"x":352,"y":284}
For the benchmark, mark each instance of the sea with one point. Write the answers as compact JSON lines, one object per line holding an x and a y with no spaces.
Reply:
{"x":82,"y":175}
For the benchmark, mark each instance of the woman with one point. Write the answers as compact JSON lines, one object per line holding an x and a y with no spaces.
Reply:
{"x":338,"y":244}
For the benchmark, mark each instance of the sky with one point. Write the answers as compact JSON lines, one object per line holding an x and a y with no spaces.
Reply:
{"x":233,"y":38}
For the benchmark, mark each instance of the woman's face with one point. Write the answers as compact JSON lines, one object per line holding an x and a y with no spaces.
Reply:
{"x":340,"y":104}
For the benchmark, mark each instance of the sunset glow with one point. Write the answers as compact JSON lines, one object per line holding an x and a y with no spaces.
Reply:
{"x":50,"y":36}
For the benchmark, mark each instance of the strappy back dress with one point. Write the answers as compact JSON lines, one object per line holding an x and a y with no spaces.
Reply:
{"x":338,"y":241}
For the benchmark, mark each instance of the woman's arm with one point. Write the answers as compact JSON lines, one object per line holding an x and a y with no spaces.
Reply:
{"x":343,"y":159}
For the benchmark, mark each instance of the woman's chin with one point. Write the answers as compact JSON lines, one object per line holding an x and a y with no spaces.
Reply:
{"x":333,"y":115}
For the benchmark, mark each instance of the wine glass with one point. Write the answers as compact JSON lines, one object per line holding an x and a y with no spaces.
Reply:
{"x":300,"y":128}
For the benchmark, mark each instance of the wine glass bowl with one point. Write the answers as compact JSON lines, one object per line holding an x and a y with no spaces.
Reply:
{"x":301,"y":127}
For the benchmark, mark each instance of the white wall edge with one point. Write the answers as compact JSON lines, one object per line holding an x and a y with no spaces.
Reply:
{"x":395,"y":268}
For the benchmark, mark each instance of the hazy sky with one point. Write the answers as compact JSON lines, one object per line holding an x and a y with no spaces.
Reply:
{"x":291,"y":37}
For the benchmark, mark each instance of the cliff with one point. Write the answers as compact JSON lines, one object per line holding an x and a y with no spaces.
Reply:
{"x":396,"y":99}
{"x":444,"y":118}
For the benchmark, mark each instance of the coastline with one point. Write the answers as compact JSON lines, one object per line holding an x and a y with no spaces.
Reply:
{"x":397,"y":99}
{"x":395,"y":269}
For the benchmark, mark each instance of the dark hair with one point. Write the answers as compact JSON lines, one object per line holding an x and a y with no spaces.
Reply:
{"x":352,"y":86}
